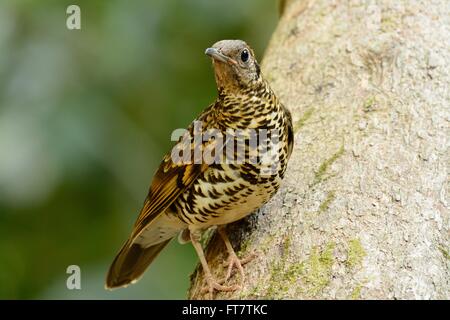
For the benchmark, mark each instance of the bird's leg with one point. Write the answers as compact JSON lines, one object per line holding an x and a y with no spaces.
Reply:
{"x":211,"y":282}
{"x":233,"y":259}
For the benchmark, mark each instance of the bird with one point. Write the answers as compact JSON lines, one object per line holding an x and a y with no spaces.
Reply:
{"x":186,"y":198}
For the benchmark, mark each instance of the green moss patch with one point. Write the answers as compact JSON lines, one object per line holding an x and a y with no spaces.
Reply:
{"x":314,"y":273}
{"x":444,"y":253}
{"x":355,"y":254}
{"x":319,"y":176}
{"x":369,"y":104}
{"x":326,"y":203}
{"x":356,"y":293}
{"x":318,"y":269}
{"x":301,"y":122}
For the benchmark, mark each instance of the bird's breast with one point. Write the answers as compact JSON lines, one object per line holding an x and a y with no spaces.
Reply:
{"x":225,"y":193}
{"x":233,"y":188}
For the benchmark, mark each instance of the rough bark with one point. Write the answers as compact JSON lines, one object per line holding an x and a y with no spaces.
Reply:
{"x":364,"y":211}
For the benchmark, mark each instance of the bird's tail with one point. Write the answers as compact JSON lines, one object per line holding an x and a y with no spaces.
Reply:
{"x":131,"y":263}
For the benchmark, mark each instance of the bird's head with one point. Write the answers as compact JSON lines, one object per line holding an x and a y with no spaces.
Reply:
{"x":235,"y":65}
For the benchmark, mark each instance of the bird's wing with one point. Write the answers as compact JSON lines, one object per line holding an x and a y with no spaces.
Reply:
{"x":172,"y":178}
{"x":169,"y":182}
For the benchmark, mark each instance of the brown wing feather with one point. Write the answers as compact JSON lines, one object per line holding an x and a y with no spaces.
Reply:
{"x":172,"y":179}
{"x":168,"y":183}
{"x":165,"y":189}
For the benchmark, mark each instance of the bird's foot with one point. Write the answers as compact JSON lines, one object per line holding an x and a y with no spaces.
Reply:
{"x":212,"y":284}
{"x":234,"y":261}
{"x":218,"y":285}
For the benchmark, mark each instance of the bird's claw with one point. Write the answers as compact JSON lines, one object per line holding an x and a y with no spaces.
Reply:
{"x":212,"y":285}
{"x":233,"y":260}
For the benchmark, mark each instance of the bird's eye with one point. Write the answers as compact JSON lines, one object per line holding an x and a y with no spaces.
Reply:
{"x":244,"y":55}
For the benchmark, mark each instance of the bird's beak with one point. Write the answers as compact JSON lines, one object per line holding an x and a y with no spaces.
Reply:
{"x":218,"y":56}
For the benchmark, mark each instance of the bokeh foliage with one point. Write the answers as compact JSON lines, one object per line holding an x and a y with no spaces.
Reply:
{"x":85,"y":117}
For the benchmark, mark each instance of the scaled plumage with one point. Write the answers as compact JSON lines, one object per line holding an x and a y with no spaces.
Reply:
{"x":191,"y":197}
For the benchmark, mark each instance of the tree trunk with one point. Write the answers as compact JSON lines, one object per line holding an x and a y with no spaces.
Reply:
{"x":364,"y":211}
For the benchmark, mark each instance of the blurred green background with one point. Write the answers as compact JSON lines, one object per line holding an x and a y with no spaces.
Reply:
{"x":85,"y":117}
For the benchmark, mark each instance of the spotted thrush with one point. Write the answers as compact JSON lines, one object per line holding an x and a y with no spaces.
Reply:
{"x":188,"y":197}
